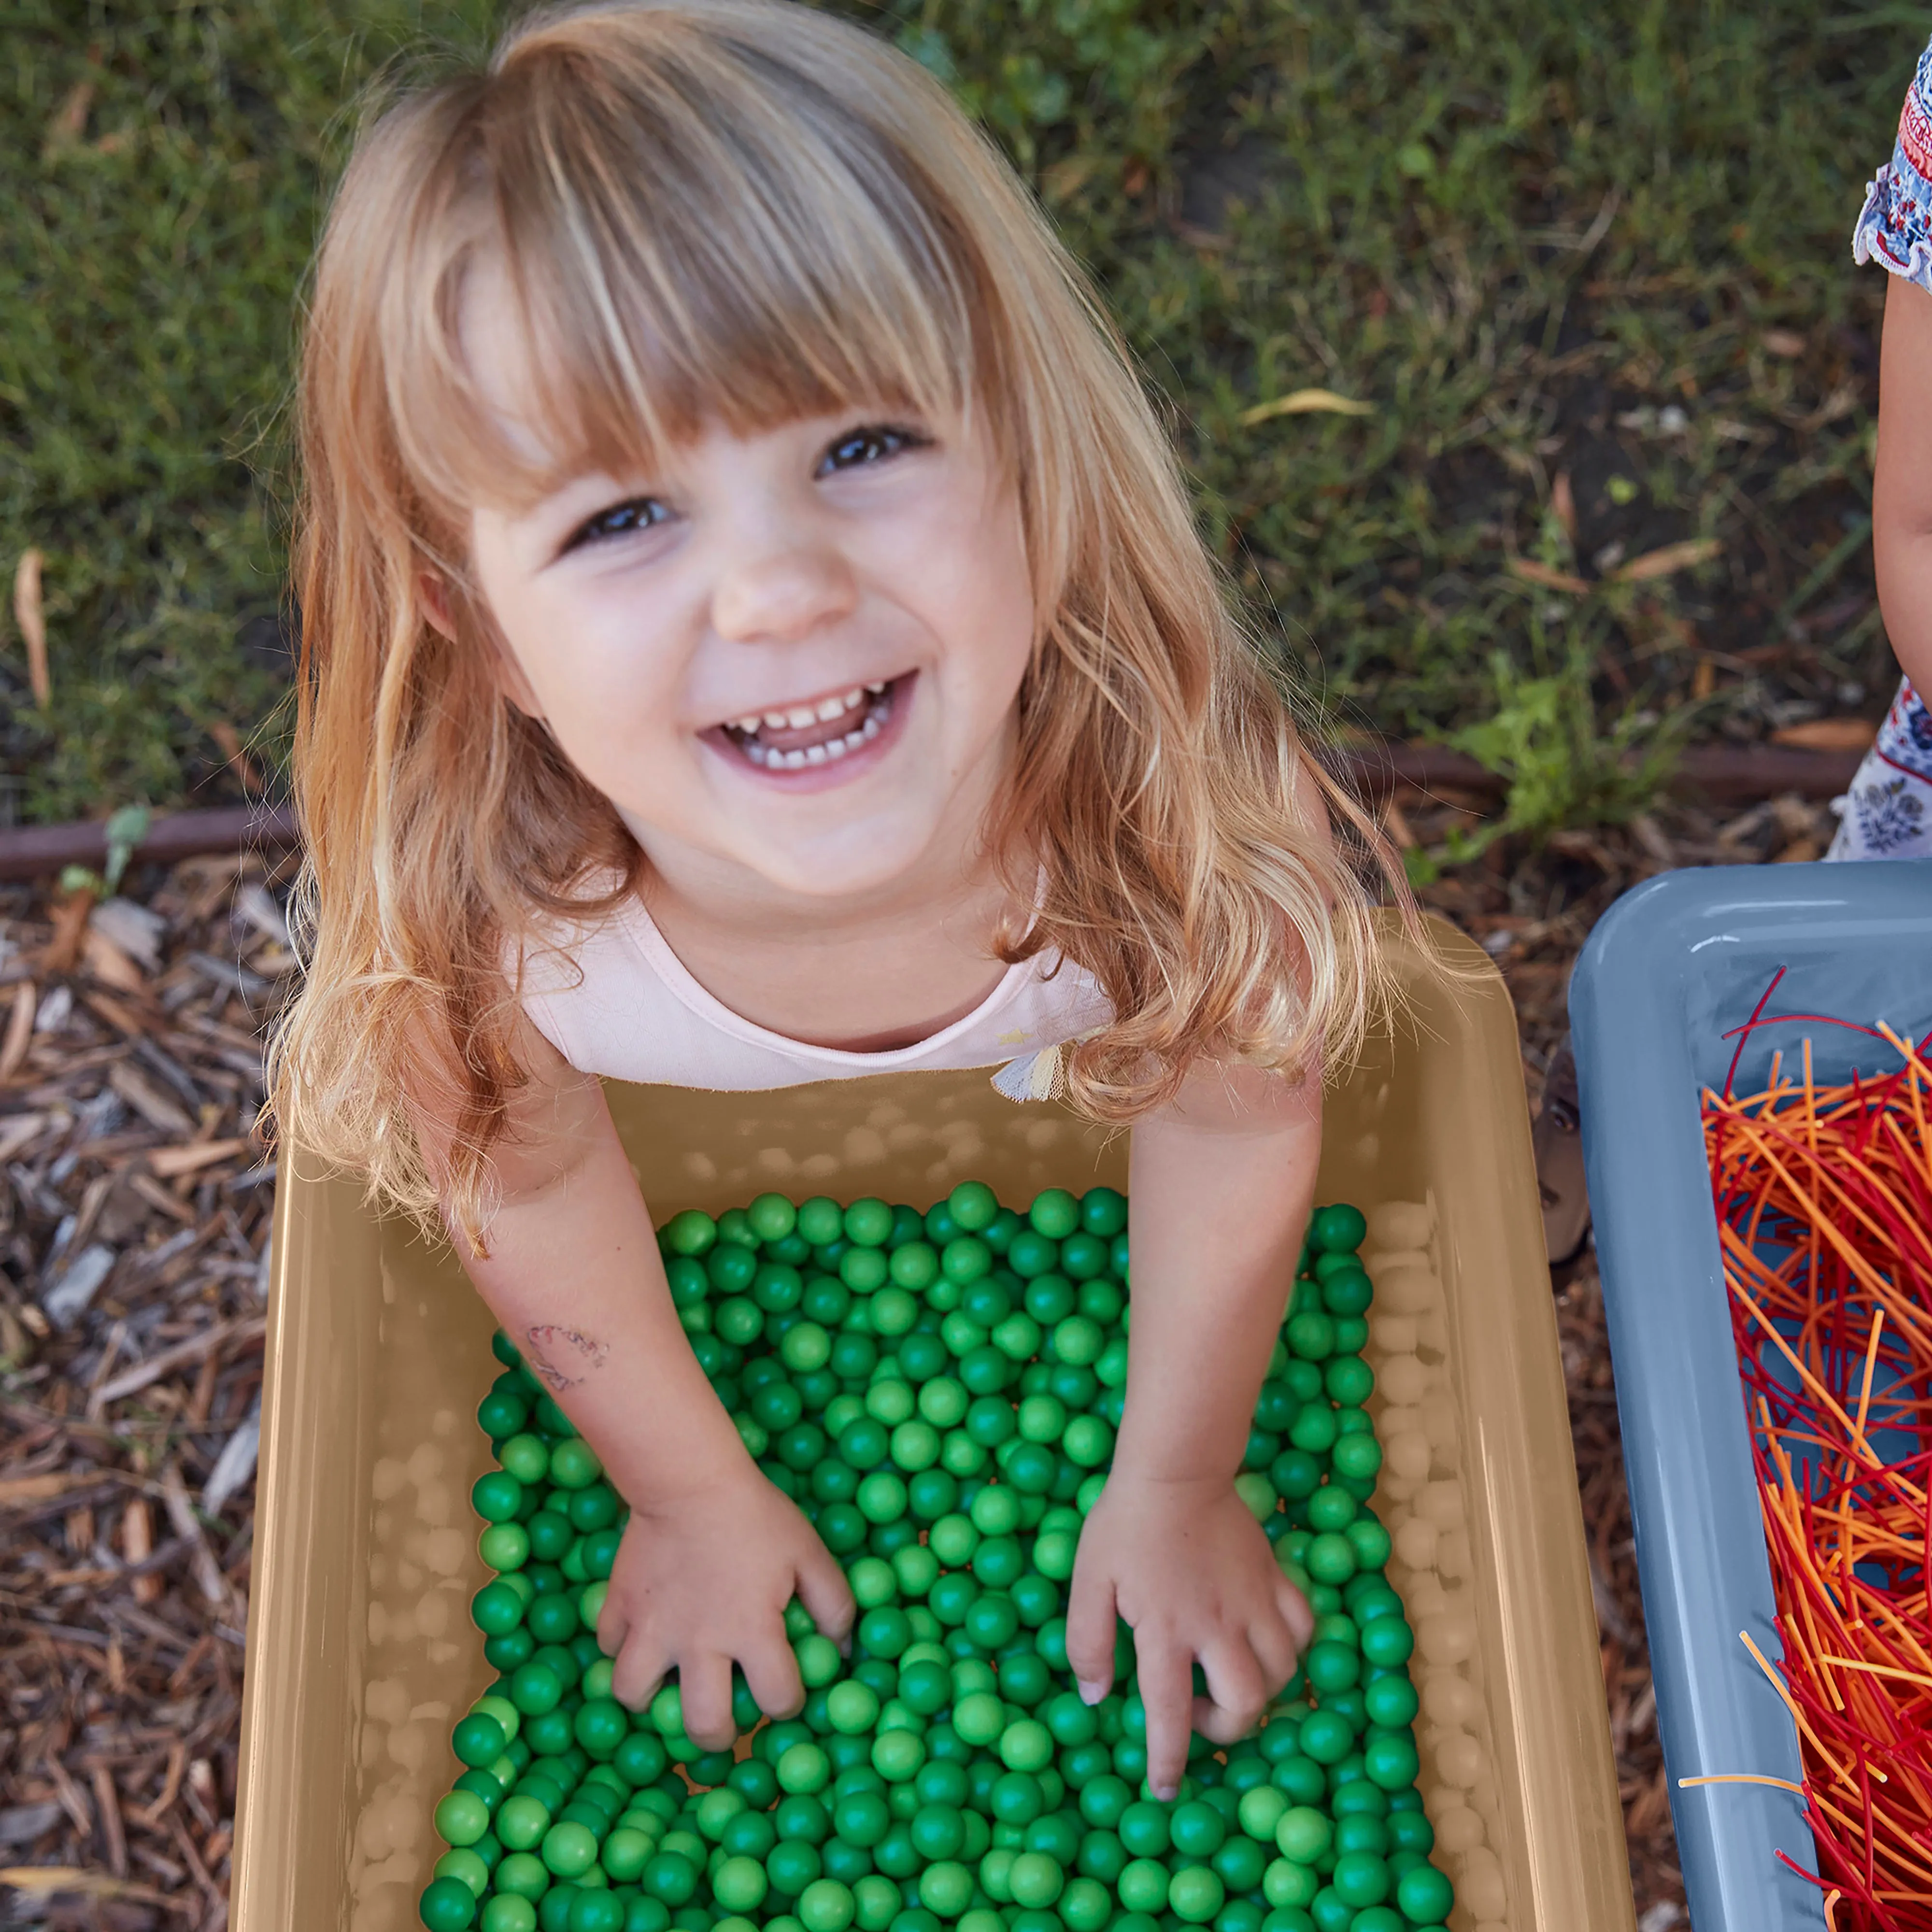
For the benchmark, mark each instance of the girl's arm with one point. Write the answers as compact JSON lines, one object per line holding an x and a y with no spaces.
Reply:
{"x":1222,"y":1183}
{"x":713,"y":1552}
{"x":1902,"y":482}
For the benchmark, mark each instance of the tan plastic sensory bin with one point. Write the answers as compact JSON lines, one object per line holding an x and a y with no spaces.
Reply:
{"x":361,"y":1652}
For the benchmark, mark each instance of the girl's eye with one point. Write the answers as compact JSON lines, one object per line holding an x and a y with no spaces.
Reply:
{"x":870,"y":443}
{"x":639,"y":513}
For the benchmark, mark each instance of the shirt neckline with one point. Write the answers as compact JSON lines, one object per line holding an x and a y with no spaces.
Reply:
{"x":644,"y":933}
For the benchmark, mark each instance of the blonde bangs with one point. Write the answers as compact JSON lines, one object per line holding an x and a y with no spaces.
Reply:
{"x":809,"y":267}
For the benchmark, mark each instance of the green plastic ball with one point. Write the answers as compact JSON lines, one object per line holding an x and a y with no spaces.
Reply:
{"x":1361,"y":1879}
{"x":1035,"y":1880}
{"x":447,"y":1905}
{"x":1195,"y":1893}
{"x":1389,"y":1760}
{"x":569,"y":1850}
{"x":1338,"y":1229}
{"x":1424,"y":1895}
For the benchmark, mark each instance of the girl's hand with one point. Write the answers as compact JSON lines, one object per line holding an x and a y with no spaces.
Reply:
{"x":701,"y":1581}
{"x":1186,"y":1564}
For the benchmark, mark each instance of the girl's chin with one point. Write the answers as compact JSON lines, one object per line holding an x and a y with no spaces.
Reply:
{"x":855,"y":869}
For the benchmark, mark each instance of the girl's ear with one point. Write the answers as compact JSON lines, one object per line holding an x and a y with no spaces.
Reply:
{"x":433,"y":594}
{"x":433,"y":591}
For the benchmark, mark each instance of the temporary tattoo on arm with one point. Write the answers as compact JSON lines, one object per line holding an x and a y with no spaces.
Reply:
{"x":562,"y":1356}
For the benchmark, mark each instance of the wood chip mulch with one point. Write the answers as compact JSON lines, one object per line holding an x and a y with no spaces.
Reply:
{"x":134,"y":1212}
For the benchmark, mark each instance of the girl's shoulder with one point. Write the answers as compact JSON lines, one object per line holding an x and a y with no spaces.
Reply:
{"x":1894,"y":226}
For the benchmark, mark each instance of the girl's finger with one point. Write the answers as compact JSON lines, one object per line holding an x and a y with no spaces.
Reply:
{"x":1299,"y":1612}
{"x":1166,"y":1676}
{"x":823,"y":1590}
{"x":705,"y":1682}
{"x":1237,"y":1690}
{"x":639,"y":1670}
{"x":1275,"y":1649}
{"x":1224,"y":1727}
{"x":614,"y":1627}
{"x":1090,"y":1616}
{"x":771,"y":1673}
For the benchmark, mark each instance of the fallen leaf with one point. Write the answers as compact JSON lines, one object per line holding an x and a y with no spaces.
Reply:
{"x":137,"y":1545}
{"x":1395,"y":823}
{"x":136,"y":930}
{"x":30,"y":614}
{"x":108,"y":963}
{"x":235,"y":1464}
{"x":46,"y":1879}
{"x":1305,"y":402}
{"x":168,"y":1163}
{"x":225,"y":735}
{"x":69,"y":120}
{"x":1546,"y":575}
{"x":1065,"y":179}
{"x":1671,"y":558}
{"x":181,"y":1513}
{"x":1828,"y":734}
{"x":70,"y":926}
{"x":116,"y":1012}
{"x":1563,"y":501}
{"x":1206,"y":239}
{"x":1651,"y":837}
{"x":159,"y":1109}
{"x":20,"y":1030}
{"x":16,"y":1490}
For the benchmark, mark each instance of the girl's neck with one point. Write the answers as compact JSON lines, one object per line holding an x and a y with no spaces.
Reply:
{"x":865,"y":973}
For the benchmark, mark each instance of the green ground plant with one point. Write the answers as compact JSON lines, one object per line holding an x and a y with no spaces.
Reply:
{"x":1587,"y":268}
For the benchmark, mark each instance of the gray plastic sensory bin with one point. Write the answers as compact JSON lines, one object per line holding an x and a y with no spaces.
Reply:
{"x":1673,"y":969}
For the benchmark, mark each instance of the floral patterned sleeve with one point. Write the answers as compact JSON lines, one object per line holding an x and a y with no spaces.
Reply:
{"x":1894,"y":227}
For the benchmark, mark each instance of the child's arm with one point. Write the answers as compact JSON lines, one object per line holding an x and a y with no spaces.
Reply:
{"x":713,"y":1551}
{"x":1902,"y":483}
{"x":1222,"y":1183}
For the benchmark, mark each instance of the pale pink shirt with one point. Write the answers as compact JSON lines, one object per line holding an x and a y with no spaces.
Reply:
{"x":638,"y":1014}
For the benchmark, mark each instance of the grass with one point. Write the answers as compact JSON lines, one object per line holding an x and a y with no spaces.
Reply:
{"x":1588,"y":267}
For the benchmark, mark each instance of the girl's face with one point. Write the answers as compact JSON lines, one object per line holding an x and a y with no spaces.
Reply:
{"x":791,"y":657}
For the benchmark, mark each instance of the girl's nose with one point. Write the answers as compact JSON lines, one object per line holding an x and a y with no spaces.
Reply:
{"x":783,"y":594}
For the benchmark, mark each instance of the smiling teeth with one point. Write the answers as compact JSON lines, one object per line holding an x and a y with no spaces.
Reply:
{"x":799,"y":716}
{"x":815,"y":754}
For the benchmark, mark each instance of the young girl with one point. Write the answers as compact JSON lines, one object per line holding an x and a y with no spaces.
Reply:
{"x":754,"y":633}
{"x":1887,"y":812}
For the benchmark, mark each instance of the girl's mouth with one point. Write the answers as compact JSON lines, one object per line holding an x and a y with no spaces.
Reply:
{"x":811,"y":737}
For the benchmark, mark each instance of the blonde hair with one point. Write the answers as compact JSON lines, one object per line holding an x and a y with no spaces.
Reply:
{"x":746,"y":211}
